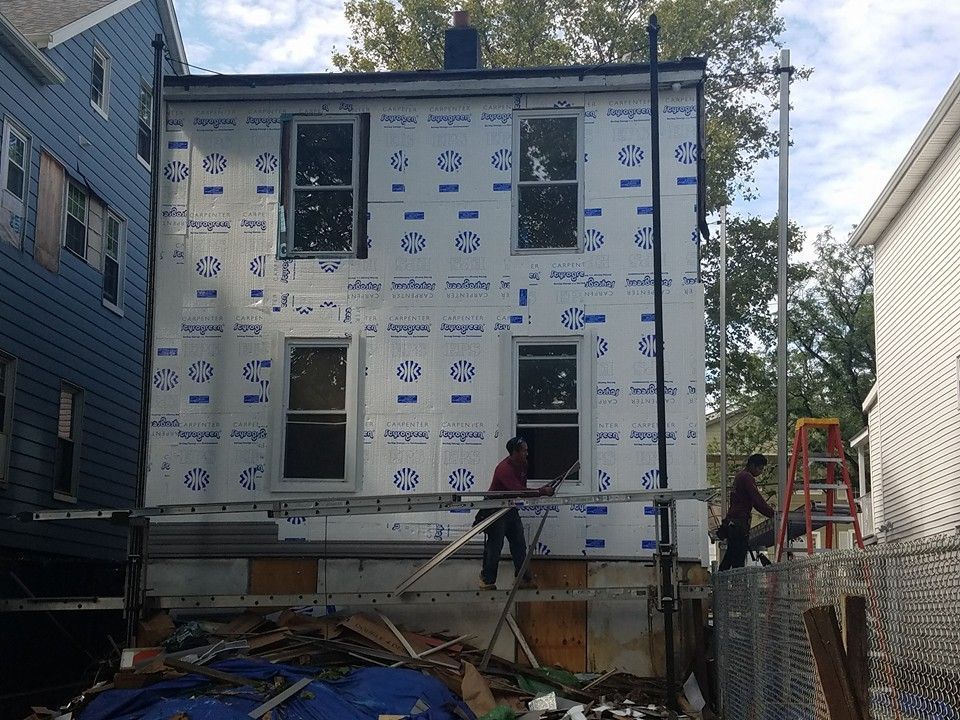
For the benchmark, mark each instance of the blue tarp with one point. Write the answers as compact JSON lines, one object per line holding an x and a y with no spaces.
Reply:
{"x":364,"y":694}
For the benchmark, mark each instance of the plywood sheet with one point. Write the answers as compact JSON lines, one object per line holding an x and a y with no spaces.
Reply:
{"x":557,"y":631}
{"x":272,"y":576}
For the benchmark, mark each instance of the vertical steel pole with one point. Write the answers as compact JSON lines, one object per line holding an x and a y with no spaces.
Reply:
{"x":666,"y":548}
{"x":783,"y":503}
{"x":137,"y":531}
{"x":722,"y":281}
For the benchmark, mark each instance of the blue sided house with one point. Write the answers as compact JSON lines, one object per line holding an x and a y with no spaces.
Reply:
{"x":76,"y":100}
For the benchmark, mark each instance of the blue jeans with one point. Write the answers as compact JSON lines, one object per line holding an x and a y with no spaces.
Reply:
{"x":509,"y":527}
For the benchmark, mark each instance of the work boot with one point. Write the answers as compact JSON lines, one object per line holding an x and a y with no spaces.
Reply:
{"x":484,"y":585}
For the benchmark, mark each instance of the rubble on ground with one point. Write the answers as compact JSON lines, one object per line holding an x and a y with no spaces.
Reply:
{"x":294,"y":664}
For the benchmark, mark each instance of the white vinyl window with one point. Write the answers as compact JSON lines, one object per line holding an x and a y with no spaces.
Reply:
{"x":113,"y":249}
{"x":547,"y":181}
{"x":75,"y":221}
{"x":8,"y":374}
{"x":550,"y":405}
{"x":67,"y":461}
{"x":145,"y":124}
{"x":319,"y":443}
{"x":323,"y":188}
{"x":100,"y":81}
{"x":14,"y":182}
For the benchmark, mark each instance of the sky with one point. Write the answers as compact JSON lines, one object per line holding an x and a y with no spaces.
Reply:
{"x":880,"y":67}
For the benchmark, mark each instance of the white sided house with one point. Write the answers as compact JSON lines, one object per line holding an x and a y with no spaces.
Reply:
{"x":914,"y":408}
{"x":367,"y":283}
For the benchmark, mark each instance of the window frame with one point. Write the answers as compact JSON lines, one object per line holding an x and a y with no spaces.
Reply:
{"x":9,"y":394}
{"x":585,"y":384}
{"x":288,"y":249}
{"x":105,"y":60}
{"x":116,"y":307}
{"x":518,"y":116}
{"x":145,"y":87}
{"x":11,"y":127}
{"x":353,"y":408}
{"x":67,"y":214}
{"x":76,"y":427}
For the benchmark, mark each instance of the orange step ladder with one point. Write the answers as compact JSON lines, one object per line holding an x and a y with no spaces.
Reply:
{"x":825,"y":517}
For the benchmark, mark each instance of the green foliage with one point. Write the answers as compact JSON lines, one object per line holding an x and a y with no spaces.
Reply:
{"x":741,"y":90}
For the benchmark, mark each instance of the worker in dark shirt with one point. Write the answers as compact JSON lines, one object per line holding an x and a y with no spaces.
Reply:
{"x":509,"y":476}
{"x":744,"y":499}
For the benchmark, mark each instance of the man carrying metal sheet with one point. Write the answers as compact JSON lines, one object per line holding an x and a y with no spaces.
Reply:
{"x":510,"y":476}
{"x":744,"y":498}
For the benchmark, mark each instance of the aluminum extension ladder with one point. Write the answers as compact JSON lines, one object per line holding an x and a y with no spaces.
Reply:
{"x":829,"y":515}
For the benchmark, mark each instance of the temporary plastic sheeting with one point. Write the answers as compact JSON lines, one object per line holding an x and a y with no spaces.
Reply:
{"x":364,"y":694}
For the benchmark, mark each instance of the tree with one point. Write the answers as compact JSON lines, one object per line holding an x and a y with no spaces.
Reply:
{"x":741,"y":90}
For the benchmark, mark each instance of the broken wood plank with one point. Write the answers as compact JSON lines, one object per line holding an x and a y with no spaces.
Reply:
{"x":605,"y":676}
{"x":280,"y":698}
{"x":522,"y":641}
{"x":393,"y":628}
{"x":830,"y":659}
{"x":856,"y":642}
{"x":211,"y":673}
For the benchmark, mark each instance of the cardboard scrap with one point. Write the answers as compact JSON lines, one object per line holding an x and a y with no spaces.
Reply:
{"x":376,"y":632}
{"x":476,"y":692}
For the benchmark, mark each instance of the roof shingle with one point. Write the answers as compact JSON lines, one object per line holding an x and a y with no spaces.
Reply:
{"x":41,"y":17}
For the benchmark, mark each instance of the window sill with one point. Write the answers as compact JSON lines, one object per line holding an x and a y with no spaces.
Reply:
{"x":64,"y":497}
{"x":143,"y":162}
{"x":100,"y":111}
{"x":115,"y":309}
{"x":75,"y":254}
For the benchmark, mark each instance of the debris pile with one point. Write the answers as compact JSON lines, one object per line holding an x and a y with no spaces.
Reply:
{"x":293,"y":664}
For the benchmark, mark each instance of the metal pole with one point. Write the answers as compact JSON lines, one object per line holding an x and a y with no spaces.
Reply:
{"x":136,"y":539}
{"x":783,"y":504}
{"x":723,"y":361}
{"x":665,"y":549}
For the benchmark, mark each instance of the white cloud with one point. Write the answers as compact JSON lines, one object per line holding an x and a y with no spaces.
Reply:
{"x":880,"y":68}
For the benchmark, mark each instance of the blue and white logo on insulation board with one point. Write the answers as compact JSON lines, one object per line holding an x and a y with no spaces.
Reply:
{"x":413,"y":243}
{"x":461,"y":479}
{"x":165,"y":379}
{"x":463,"y":371}
{"x":572,"y":318}
{"x":201,"y":371}
{"x":644,"y":238}
{"x":406,"y":479}
{"x":604,"y":481}
{"x":176,"y":171}
{"x":254,"y":371}
{"x":449,"y":161}
{"x":409,"y":371}
{"x":592,"y":240}
{"x":602,"y":347}
{"x":648,"y":346}
{"x":258,"y":266}
{"x":215,"y":163}
{"x":686,"y":153}
{"x":650,"y":479}
{"x":249,"y":477}
{"x":502,"y":159}
{"x":209,"y":266}
{"x":399,"y":161}
{"x":630,"y":155}
{"x":467,"y":242}
{"x":266,"y":162}
{"x":196,"y":479}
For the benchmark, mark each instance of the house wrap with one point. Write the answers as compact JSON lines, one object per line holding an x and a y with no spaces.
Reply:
{"x":367,"y":283}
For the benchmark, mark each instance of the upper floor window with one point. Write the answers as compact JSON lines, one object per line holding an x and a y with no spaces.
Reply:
{"x":75,"y":224}
{"x":113,"y":231}
{"x":145,"y":123}
{"x":67,"y":460}
{"x":100,"y":81}
{"x":14,"y":182}
{"x":8,"y":371}
{"x":326,"y":188}
{"x":548,"y":181}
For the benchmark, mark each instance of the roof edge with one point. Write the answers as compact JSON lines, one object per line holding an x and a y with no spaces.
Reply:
{"x":82,"y":24}
{"x":867,"y":231}
{"x":870,"y":400}
{"x":171,"y":28}
{"x":39,"y":65}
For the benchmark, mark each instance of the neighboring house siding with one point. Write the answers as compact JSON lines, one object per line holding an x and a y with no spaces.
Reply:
{"x":876,"y":464}
{"x":55,"y":323}
{"x":918,"y":341}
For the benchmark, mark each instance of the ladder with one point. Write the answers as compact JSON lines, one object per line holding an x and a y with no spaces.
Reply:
{"x":828,"y":515}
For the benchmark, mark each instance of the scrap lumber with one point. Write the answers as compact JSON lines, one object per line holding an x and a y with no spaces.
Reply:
{"x":856,"y":642}
{"x":830,"y":659}
{"x":211,"y":673}
{"x":279,"y":698}
{"x":522,"y":641}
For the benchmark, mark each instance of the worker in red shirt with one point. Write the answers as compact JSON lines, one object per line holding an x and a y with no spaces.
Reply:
{"x":744,"y":498}
{"x":509,"y":476}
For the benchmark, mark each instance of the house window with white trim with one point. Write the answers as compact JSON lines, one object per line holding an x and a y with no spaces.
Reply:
{"x":14,"y":182}
{"x":100,"y":81}
{"x":319,"y":425}
{"x":8,"y":373}
{"x":548,"y":404}
{"x":75,"y":223}
{"x":145,"y":123}
{"x":67,"y":461}
{"x":113,"y":241}
{"x":548,"y":181}
{"x":325,"y":193}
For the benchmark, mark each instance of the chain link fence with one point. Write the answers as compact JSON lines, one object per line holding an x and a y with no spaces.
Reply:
{"x":912,"y":592}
